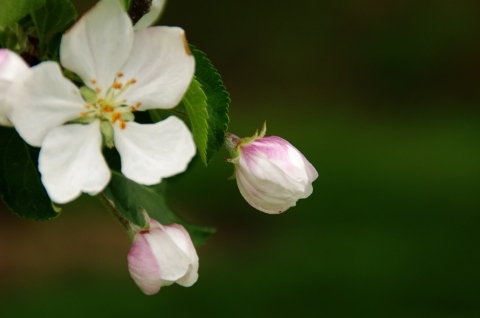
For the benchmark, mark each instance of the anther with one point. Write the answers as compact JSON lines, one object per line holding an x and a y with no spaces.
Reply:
{"x":108,"y":109}
{"x":117,"y":85}
{"x":93,"y":81}
{"x":116,"y":116}
{"x":136,"y":106}
{"x":119,"y":74}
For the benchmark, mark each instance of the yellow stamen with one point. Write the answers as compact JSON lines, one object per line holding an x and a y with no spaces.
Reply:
{"x":136,"y":106}
{"x":116,"y":116}
{"x":108,"y":109}
{"x":117,"y":85}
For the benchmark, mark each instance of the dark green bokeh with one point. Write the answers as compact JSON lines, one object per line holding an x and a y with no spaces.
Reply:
{"x":382,"y":98}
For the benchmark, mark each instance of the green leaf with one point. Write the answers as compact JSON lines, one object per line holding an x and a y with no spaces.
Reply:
{"x":130,"y":198}
{"x":20,"y":185}
{"x":13,"y":10}
{"x":195,"y":102}
{"x":56,"y":16}
{"x":213,"y":111}
{"x":218,"y":101}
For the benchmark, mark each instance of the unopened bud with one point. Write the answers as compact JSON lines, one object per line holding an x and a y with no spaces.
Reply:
{"x":161,"y":256}
{"x":272,"y":175}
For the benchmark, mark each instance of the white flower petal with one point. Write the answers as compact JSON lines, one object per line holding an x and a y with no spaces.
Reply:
{"x":71,"y":162}
{"x":11,"y":65}
{"x":98,"y":44}
{"x":162,"y":66}
{"x":181,"y":238}
{"x":152,"y":16}
{"x":172,"y":261}
{"x":42,"y":100}
{"x":264,"y":195}
{"x":152,"y":152}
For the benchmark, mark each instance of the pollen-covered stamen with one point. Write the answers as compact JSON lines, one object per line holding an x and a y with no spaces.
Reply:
{"x":116,"y":116}
{"x":117,"y":85}
{"x":108,"y":108}
{"x":136,"y":106}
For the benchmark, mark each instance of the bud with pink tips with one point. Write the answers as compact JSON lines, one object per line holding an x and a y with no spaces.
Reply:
{"x":11,"y":67}
{"x":272,"y":175}
{"x":161,"y":256}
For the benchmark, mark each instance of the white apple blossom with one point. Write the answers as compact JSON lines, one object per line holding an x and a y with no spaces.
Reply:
{"x":272,"y":175}
{"x":12,"y":66}
{"x":124,"y":71}
{"x":161,"y":256}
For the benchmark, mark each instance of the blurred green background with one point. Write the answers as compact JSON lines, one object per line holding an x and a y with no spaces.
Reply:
{"x":381,"y":96}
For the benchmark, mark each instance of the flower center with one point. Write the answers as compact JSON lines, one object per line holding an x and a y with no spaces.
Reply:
{"x":110,"y":107}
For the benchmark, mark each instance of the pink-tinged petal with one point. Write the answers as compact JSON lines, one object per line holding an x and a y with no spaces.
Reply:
{"x":3,"y":56}
{"x":71,"y":162}
{"x":42,"y":100}
{"x":277,"y":151}
{"x":152,"y":152}
{"x":162,"y":66}
{"x":98,"y":45}
{"x":152,"y":16}
{"x":143,"y":266}
{"x":11,"y":65}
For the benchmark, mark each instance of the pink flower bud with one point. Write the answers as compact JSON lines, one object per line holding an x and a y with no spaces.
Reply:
{"x":271,"y":173}
{"x":162,"y":256}
{"x":11,"y":67}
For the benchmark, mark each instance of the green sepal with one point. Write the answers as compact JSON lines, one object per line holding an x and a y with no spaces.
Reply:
{"x":107,"y":133}
{"x":88,"y":94}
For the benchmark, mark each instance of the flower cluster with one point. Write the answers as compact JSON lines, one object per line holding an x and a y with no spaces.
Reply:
{"x":116,"y":70}
{"x":124,"y":69}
